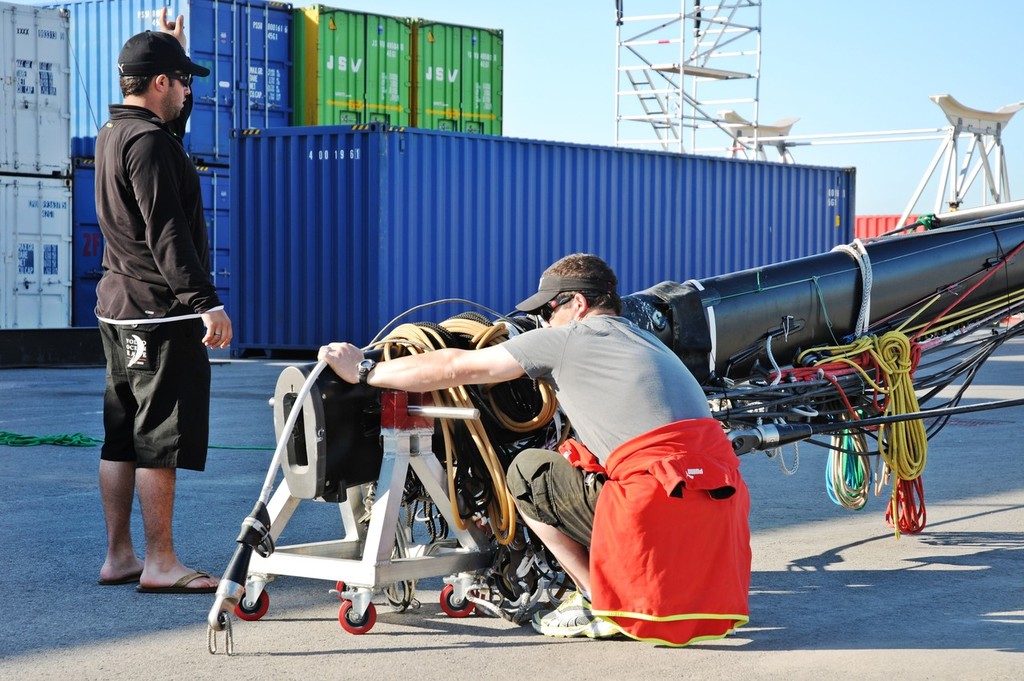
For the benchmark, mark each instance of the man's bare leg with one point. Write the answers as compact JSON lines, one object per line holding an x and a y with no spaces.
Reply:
{"x":117,"y":490}
{"x":156,"y":496}
{"x":570,"y":554}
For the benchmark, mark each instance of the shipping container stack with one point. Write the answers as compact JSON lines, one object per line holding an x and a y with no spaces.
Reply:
{"x":247,"y":45}
{"x":354,"y":68}
{"x":351,"y":68}
{"x":35,"y":163}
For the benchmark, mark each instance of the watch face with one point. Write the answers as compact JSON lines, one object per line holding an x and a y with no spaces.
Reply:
{"x":365,"y":367}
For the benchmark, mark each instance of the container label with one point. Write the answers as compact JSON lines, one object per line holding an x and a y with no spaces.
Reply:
{"x":255,"y":76}
{"x":344,"y":63}
{"x":22,"y":69}
{"x":438,"y":73}
{"x":392,"y":48}
{"x":485,"y":58}
{"x":272,"y":29}
{"x":93,"y":244}
{"x":26,"y":259}
{"x":48,"y":207}
{"x":389,"y":87}
{"x":47,"y":81}
{"x":334,"y":154}
{"x":51,"y":259}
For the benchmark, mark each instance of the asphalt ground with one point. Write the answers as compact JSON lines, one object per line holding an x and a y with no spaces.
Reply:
{"x":834,"y":594}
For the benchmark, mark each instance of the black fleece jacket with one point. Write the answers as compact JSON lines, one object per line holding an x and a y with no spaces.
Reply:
{"x":156,"y":259}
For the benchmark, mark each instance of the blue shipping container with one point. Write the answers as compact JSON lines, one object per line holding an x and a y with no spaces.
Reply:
{"x":246,"y":46}
{"x":86,"y":243}
{"x":340,"y":229}
{"x":215,"y":184}
{"x":87,"y":240}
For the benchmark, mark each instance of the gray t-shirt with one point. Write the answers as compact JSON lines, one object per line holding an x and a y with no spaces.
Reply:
{"x":613,"y":380}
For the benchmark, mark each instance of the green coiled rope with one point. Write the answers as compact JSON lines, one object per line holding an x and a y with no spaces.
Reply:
{"x":79,"y":440}
{"x":72,"y":440}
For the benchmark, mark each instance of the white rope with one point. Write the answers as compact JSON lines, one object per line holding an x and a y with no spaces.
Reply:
{"x":859,"y":253}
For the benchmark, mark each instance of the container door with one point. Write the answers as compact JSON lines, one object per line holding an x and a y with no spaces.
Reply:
{"x":388,"y":61}
{"x":341,"y":65}
{"x":211,"y":29}
{"x":35,"y":130}
{"x":34,"y":250}
{"x":265,"y":98}
{"x":438,"y":65}
{"x":86,"y":244}
{"x":215,"y":184}
{"x":480,"y":81}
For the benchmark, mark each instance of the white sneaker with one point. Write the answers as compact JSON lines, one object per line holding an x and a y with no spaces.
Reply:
{"x":573,"y":618}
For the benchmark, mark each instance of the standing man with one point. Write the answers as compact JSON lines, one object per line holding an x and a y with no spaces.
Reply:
{"x":153,"y":302}
{"x":647,"y":513}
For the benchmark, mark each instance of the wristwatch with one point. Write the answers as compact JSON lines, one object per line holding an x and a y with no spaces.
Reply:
{"x":365,"y":367}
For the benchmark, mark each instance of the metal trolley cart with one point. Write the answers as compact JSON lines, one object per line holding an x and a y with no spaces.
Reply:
{"x":330,"y":451}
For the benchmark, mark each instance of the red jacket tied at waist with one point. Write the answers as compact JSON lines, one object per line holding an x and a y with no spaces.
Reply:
{"x":670,"y":554}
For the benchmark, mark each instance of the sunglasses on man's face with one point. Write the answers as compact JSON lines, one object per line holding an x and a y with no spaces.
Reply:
{"x":183,"y":78}
{"x":551,"y":305}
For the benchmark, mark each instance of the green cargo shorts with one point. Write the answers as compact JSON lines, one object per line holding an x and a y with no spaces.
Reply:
{"x":548,"y":488}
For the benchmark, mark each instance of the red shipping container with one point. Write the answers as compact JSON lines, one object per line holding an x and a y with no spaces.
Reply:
{"x":870,"y":226}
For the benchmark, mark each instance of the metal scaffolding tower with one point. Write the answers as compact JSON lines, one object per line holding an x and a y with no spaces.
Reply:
{"x":679,"y":73}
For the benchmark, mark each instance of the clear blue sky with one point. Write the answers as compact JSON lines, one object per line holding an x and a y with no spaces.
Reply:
{"x":838,"y":66}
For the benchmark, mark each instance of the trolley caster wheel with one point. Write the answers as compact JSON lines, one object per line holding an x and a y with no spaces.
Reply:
{"x":340,"y":587}
{"x":258,"y":610}
{"x":353,"y":623}
{"x":454,"y":608}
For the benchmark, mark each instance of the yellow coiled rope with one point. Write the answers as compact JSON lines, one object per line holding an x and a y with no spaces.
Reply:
{"x":416,"y":339}
{"x":903,"y":445}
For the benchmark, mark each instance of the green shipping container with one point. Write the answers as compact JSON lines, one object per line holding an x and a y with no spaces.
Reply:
{"x":351,"y":68}
{"x":457,"y":84}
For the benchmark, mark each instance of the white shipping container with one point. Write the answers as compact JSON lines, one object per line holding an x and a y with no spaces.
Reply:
{"x":35,"y":106}
{"x":35,"y":252}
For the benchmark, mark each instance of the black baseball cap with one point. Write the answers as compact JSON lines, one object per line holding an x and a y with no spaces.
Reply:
{"x":154,"y":52}
{"x":552,"y":284}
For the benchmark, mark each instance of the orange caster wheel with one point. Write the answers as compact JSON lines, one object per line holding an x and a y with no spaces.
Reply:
{"x":356,"y":624}
{"x":454,"y":608}
{"x":258,"y":610}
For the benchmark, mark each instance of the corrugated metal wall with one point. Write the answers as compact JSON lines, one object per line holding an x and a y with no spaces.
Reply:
{"x":341,"y":229}
{"x":870,"y":226}
{"x":246,"y":44}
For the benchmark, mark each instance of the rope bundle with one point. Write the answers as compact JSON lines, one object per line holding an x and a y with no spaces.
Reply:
{"x":887,"y":364}
{"x":476,"y":474}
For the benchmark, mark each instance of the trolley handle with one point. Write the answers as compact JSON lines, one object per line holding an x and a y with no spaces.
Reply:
{"x":431,"y":412}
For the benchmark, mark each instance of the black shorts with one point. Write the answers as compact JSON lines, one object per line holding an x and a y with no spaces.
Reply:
{"x":546,"y":487}
{"x":156,"y":408}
